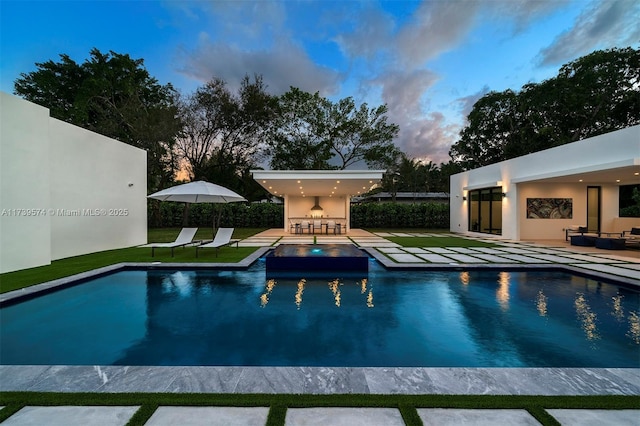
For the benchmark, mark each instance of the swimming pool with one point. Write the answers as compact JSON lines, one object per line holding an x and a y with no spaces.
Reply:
{"x":480,"y":318}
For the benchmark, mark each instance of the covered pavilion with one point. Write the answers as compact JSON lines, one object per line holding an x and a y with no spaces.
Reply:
{"x":323,"y":195}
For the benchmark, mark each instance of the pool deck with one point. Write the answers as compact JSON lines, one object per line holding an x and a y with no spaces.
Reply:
{"x":623,"y":266}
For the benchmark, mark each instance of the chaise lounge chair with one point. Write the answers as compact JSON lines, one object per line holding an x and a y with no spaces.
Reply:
{"x":222,"y":238}
{"x":185,"y":237}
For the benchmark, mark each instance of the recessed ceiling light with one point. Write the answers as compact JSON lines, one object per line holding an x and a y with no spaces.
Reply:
{"x":579,"y":180}
{"x":337,"y":181}
{"x":617,"y":180}
{"x":636,"y":174}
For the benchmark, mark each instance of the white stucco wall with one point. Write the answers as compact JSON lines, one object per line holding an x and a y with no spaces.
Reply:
{"x":76,"y":180}
{"x":25,"y":241}
{"x":522,"y":178}
{"x":90,"y":175}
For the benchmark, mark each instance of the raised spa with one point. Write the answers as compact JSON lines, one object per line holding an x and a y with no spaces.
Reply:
{"x":317,"y":257}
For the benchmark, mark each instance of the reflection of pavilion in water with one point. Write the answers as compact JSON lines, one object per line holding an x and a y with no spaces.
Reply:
{"x":334,"y":287}
{"x":232,"y":328}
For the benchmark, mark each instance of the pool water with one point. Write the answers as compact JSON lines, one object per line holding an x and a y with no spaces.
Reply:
{"x":384,"y":318}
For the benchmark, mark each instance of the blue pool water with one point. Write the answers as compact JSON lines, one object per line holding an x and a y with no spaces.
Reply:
{"x":386,"y":318}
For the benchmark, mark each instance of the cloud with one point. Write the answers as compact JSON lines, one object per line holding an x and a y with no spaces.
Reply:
{"x":420,"y":133}
{"x":436,"y":27}
{"x":603,"y":25}
{"x":521,"y":13}
{"x":429,"y":138}
{"x":371,"y":37}
{"x":467,"y":102}
{"x":282,"y":66}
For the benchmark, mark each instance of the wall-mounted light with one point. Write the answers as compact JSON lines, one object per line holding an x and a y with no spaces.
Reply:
{"x":130,"y":184}
{"x":464,"y":198}
{"x":504,"y":195}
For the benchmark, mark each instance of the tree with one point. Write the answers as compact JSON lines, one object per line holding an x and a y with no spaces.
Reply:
{"x":298,"y":139}
{"x":223,"y":133}
{"x":114,"y":95}
{"x":311,"y":132}
{"x":592,"y":95}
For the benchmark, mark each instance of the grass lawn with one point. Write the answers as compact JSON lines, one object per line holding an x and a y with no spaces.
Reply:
{"x":438,"y":242}
{"x":407,"y":404}
{"x":74,"y":265}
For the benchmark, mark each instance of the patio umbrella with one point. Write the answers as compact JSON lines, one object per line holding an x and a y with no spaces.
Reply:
{"x":198,"y":192}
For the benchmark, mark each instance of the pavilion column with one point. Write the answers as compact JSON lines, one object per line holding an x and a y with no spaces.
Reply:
{"x":286,"y":213}
{"x":347,"y":212}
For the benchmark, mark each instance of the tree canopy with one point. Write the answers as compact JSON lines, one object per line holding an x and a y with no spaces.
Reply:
{"x":312,"y":132}
{"x":222,"y":134}
{"x":595,"y":94}
{"x":114,"y":95}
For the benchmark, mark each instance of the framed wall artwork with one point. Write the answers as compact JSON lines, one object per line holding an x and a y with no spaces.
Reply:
{"x":549,"y":208}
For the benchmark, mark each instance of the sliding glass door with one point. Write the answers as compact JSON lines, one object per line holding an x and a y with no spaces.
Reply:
{"x":485,"y":210}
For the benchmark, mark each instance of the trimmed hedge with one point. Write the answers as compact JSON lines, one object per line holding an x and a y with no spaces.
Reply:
{"x":397,"y":215}
{"x":267,"y":215}
{"x":233,"y":215}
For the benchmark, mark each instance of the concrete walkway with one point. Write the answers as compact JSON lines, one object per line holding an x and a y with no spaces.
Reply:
{"x":623,"y":265}
{"x":314,"y":416}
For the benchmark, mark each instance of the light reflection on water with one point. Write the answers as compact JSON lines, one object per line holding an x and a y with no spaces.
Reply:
{"x":419,"y":318}
{"x":586,"y":317}
{"x":541,"y":304}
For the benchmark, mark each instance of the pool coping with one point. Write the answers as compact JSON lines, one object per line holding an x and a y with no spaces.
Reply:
{"x":315,"y":380}
{"x":321,"y":380}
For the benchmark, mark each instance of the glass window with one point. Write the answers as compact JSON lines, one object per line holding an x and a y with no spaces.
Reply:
{"x":485,"y":210}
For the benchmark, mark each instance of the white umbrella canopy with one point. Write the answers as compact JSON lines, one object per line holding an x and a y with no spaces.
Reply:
{"x":198,"y":192}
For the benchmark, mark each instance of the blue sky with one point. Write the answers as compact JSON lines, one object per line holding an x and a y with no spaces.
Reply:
{"x":429,"y":61}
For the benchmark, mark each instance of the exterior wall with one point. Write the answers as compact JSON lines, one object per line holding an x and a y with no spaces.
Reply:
{"x":78,"y":183}
{"x":25,"y":241}
{"x":90,"y":177}
{"x":524,"y":177}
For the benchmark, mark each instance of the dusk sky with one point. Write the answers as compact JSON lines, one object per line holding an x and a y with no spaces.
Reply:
{"x":428,"y":61}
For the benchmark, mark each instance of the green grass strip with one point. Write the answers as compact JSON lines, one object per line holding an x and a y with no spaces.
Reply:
{"x":335,"y":400}
{"x":410,"y":415}
{"x":277,"y":415}
{"x":439,"y":242}
{"x":9,"y":410}
{"x":541,"y":415}
{"x":143,"y":415}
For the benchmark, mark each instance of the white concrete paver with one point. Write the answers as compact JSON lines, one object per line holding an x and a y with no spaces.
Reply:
{"x":440,"y":250}
{"x":320,"y":416}
{"x":434,"y":258}
{"x":585,"y":417}
{"x":209,"y":416}
{"x":516,"y":250}
{"x":414,"y":250}
{"x":553,"y":258}
{"x":463,"y":258}
{"x":525,"y":259}
{"x":611,"y":269}
{"x":71,"y":416}
{"x":591,"y":259}
{"x":496,"y":259}
{"x":475,"y":417}
{"x":391,"y":250}
{"x":405,"y":258}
